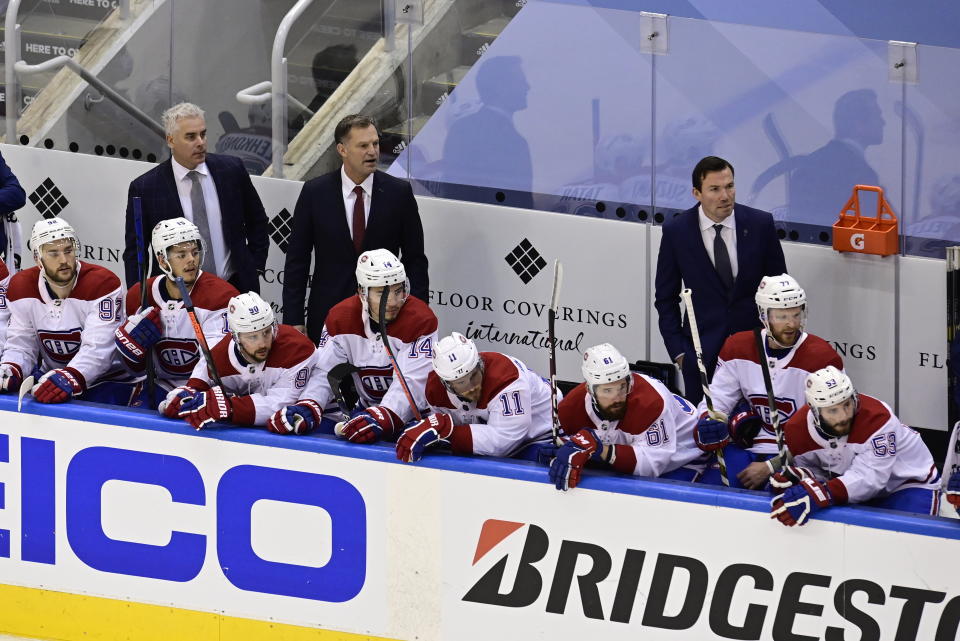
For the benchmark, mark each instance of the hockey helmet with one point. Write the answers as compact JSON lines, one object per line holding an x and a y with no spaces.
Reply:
{"x":604,"y":364}
{"x":172,"y":232}
{"x":454,"y":357}
{"x":249,"y":313}
{"x":380,"y":268}
{"x":828,"y":387}
{"x":780,"y":292}
{"x":49,"y":230}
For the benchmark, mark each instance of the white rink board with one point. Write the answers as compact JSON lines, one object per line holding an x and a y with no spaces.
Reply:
{"x":424,"y":526}
{"x":608,"y":279}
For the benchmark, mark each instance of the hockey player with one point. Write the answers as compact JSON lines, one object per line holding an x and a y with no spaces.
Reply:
{"x":263,"y":368}
{"x":62,"y":313}
{"x":484,"y":403}
{"x":739,"y":391}
{"x":351,"y":334}
{"x":951,"y":469}
{"x":851,"y":448}
{"x":624,"y":420}
{"x":164,"y":326}
{"x":5,"y":277}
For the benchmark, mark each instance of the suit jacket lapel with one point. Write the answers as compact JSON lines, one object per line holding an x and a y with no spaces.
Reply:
{"x":171,"y":187}
{"x":338,"y":226}
{"x":377,"y":196}
{"x":744,"y":240}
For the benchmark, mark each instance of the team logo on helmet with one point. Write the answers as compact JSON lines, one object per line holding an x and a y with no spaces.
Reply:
{"x":364,"y":258}
{"x":233,"y":308}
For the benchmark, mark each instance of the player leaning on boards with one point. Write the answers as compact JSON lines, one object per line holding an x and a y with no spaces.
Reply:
{"x":624,"y":420}
{"x":262,"y":366}
{"x":62,"y":313}
{"x":484,"y":403}
{"x":851,"y":448}
{"x":5,"y":277}
{"x":164,"y":326}
{"x":739,"y":391}
{"x":352,"y":334}
{"x":951,"y":469}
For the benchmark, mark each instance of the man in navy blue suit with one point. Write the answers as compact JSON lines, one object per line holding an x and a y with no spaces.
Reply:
{"x":720,"y":250}
{"x":213,"y":191}
{"x":339,"y":216}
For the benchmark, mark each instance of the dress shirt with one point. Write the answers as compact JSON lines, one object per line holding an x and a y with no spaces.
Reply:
{"x":349,"y":197}
{"x":728,"y":234}
{"x":218,"y":244}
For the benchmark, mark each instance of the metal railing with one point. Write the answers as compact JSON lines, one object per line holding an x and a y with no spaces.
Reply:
{"x":275,"y":89}
{"x":12,"y":65}
{"x":66,"y":61}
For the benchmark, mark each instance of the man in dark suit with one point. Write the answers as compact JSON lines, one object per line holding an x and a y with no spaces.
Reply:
{"x":214,"y":192}
{"x":343,"y":214}
{"x":720,"y":250}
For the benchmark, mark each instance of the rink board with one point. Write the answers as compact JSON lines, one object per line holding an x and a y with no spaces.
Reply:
{"x":117,"y":524}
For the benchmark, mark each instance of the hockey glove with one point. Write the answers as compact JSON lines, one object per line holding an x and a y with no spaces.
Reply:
{"x":799,"y":502}
{"x":170,"y":406}
{"x":953,"y":490}
{"x":711,"y":434}
{"x":59,"y":385}
{"x":745,"y":424}
{"x":136,"y":336}
{"x":787,"y":477}
{"x":371,"y":425}
{"x":207,"y":407}
{"x":299,"y":418}
{"x":571,"y":457}
{"x":419,"y":436}
{"x":10,"y":377}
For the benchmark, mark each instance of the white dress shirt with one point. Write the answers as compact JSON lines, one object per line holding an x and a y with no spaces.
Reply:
{"x":218,"y":244}
{"x":349,"y":198}
{"x":728,"y":234}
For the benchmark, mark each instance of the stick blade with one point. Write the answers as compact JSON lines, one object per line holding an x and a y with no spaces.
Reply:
{"x":25,"y":388}
{"x":557,"y":281}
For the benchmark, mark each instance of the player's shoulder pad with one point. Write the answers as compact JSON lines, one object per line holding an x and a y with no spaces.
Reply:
{"x":94,"y":282}
{"x":290,"y":348}
{"x":816,"y":353}
{"x":740,"y":346}
{"x":436,"y":392}
{"x":871,"y":416}
{"x":796,"y":433}
{"x":644,"y":406}
{"x":221,"y":356}
{"x":572,"y":412}
{"x":132,"y":299}
{"x":4,"y":272}
{"x":498,"y":372}
{"x":415,"y":319}
{"x":212,"y":292}
{"x":24,"y":284}
{"x":346,"y":317}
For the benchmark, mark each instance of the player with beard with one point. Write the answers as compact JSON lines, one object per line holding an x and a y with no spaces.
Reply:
{"x":263,"y":367}
{"x":626,"y":421}
{"x":62,"y":314}
{"x":164,"y":326}
{"x":739,"y":391}
{"x":851,"y":448}
{"x":352,"y":334}
{"x":484,"y":403}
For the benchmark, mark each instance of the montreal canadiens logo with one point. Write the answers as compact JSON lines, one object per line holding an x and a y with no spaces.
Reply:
{"x":178,"y":357}
{"x":60,"y":347}
{"x":786,"y":407}
{"x":375,"y":380}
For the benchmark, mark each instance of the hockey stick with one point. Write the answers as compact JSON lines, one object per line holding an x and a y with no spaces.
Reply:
{"x":201,"y":339}
{"x":26,"y":387}
{"x":335,"y":378}
{"x":771,"y":401}
{"x":382,"y":319}
{"x":144,"y":268}
{"x":552,"y":336}
{"x":687,"y":297}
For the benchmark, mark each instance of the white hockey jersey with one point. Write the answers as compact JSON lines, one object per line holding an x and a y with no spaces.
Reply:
{"x":348,"y":338}
{"x":513,"y":409}
{"x":879,"y":456}
{"x":260,"y":389}
{"x":655,"y":435}
{"x":176,"y":353}
{"x":76,"y":331}
{"x":5,"y":277}
{"x":739,"y":375}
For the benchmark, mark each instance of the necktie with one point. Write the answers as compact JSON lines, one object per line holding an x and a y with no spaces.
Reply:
{"x":359,"y":222}
{"x":721,"y":259}
{"x":200,"y":220}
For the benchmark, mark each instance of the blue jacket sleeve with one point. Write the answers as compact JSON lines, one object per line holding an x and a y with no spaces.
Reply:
{"x":12,"y":196}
